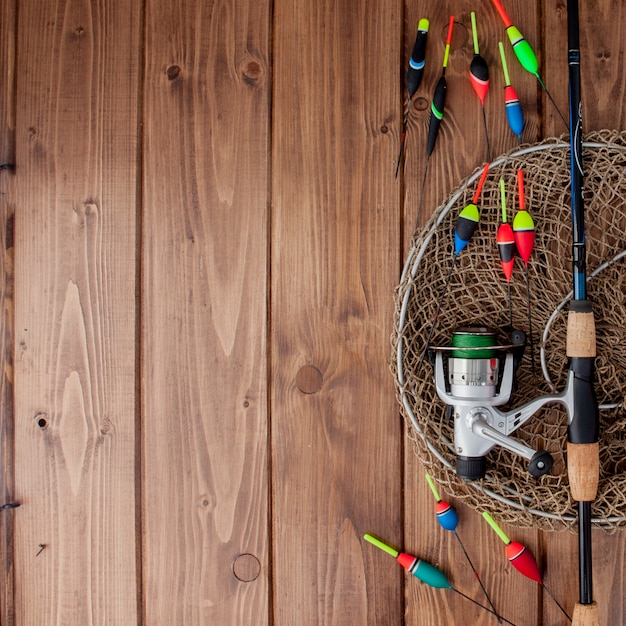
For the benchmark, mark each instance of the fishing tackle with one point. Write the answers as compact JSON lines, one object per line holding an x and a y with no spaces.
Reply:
{"x":514,"y":113}
{"x":475,"y":386}
{"x":414,"y":75}
{"x":436,"y":113}
{"x":524,"y":53}
{"x":524,"y":233}
{"x":522,"y":559}
{"x":479,"y":77}
{"x":424,"y":571}
{"x":583,"y":462}
{"x":466,"y":224}
{"x":506,"y":248}
{"x":448,"y":520}
{"x":478,"y":377}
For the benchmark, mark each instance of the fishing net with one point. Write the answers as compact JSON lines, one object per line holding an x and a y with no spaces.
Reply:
{"x":477,"y":293}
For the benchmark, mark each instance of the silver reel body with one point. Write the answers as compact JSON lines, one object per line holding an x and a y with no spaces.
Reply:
{"x":474,"y":389}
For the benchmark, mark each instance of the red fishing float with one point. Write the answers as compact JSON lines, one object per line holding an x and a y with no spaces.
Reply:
{"x":524,"y":233}
{"x":479,"y":76}
{"x":506,"y":248}
{"x":523,"y":225}
{"x":521,"y":559}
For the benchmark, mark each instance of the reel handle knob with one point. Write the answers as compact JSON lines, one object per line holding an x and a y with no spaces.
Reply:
{"x":541,"y":463}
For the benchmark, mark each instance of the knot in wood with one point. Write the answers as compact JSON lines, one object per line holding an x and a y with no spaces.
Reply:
{"x":246,"y":568}
{"x":309,"y":379}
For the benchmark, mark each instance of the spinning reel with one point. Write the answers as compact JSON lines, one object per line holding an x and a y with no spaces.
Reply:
{"x":478,"y":376}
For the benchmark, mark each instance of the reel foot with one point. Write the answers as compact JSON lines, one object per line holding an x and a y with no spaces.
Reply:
{"x":471,"y":467}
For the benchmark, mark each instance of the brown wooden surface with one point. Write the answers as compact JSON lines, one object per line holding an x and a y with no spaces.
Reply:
{"x":7,"y":212}
{"x":204,"y":346}
{"x":75,"y":316}
{"x":336,"y":453}
{"x":198,"y":417}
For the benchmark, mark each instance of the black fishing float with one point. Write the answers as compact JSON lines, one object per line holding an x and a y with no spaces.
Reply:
{"x":479,"y":76}
{"x":506,"y":248}
{"x":436,"y":113}
{"x":414,"y":75}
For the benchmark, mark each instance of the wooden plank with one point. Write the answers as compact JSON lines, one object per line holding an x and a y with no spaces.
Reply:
{"x":7,"y":156}
{"x":75,"y":264}
{"x":205,"y":466}
{"x":602,"y":44}
{"x":336,"y":438}
{"x":460,"y":148}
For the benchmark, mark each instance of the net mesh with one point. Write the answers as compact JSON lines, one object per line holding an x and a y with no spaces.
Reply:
{"x":477,"y":293}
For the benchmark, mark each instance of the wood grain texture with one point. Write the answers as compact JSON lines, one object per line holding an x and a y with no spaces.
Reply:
{"x":75,"y":187}
{"x":205,"y":255}
{"x":335,"y":452}
{"x":7,"y":211}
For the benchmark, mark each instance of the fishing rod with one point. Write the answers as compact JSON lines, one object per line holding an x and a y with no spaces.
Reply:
{"x":414,"y":75}
{"x":449,"y":520}
{"x":514,"y":113}
{"x":522,"y":559}
{"x":583,"y":463}
{"x":524,"y":53}
{"x":479,"y":76}
{"x":425,"y":572}
{"x":436,"y":114}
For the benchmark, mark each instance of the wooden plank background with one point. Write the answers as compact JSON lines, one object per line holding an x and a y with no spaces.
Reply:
{"x":200,"y":242}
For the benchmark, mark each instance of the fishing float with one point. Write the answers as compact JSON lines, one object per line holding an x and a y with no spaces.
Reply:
{"x":436,"y":113}
{"x":449,"y":520}
{"x":425,"y":572}
{"x":524,"y":53}
{"x":479,"y":77}
{"x":464,"y":229}
{"x":524,"y":234}
{"x":512,"y":106}
{"x":583,"y":462}
{"x":522,"y":559}
{"x":414,"y":75}
{"x":505,"y":240}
